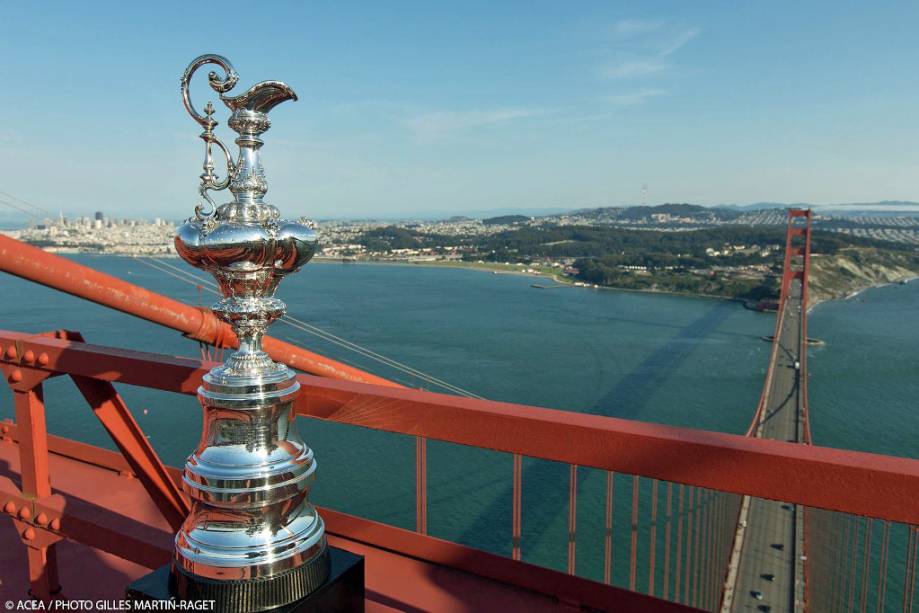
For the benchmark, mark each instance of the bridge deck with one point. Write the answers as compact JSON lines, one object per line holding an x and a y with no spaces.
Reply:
{"x":768,"y":576}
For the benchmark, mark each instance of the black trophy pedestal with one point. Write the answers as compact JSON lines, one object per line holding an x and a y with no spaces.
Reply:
{"x":343,"y":592}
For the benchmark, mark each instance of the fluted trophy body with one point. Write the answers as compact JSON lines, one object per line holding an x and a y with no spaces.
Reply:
{"x":252,"y":541}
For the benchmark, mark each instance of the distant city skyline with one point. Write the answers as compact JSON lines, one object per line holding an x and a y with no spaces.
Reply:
{"x":24,"y":216}
{"x":421,"y":110}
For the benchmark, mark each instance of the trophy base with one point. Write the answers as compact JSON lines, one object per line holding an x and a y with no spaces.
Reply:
{"x":342,"y":589}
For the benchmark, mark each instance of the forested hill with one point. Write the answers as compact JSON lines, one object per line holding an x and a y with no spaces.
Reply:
{"x":654,"y":248}
{"x":735,"y":244}
{"x":505,"y":220}
{"x":730,"y":261}
{"x":635,"y":213}
{"x":736,"y":261}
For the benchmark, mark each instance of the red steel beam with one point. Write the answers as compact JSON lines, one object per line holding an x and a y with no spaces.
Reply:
{"x":94,"y":533}
{"x":201,"y":324}
{"x":33,"y":449}
{"x":36,"y":485}
{"x":867,"y":484}
{"x":117,"y":420}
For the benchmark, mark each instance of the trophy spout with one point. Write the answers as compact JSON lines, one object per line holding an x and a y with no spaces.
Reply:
{"x":261,"y":97}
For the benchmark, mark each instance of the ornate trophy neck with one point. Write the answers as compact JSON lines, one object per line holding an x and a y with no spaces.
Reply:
{"x":249,"y":119}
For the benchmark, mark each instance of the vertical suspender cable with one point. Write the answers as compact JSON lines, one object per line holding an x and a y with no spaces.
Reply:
{"x":634,"y":544}
{"x":516,"y":511}
{"x":652,"y":545}
{"x":669,"y":505}
{"x":608,"y":544}
{"x":572,"y":517}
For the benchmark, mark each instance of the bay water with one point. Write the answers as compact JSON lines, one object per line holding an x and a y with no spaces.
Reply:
{"x":677,"y":360}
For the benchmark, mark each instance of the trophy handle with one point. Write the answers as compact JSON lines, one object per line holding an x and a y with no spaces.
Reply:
{"x":217,"y":84}
{"x":209,"y":180}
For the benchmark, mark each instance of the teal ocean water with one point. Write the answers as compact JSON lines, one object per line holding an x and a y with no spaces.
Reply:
{"x":676,"y":360}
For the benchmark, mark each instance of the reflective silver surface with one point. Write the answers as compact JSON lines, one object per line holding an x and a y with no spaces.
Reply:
{"x":250,"y":476}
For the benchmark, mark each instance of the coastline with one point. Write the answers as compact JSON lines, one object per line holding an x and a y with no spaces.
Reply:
{"x":502,"y":269}
{"x":513,"y":269}
{"x":860,"y":291}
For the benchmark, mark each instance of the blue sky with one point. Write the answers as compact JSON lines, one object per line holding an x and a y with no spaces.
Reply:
{"x":420,"y":108}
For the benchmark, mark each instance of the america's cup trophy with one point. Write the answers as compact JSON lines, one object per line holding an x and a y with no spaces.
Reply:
{"x":252,"y":541}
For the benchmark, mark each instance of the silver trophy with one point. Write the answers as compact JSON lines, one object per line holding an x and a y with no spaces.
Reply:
{"x":252,"y":541}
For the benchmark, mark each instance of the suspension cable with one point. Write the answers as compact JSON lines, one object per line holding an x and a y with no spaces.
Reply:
{"x":211,"y":286}
{"x":332,"y":338}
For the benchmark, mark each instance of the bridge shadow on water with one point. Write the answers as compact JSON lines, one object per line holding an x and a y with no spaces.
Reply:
{"x":545,"y":483}
{"x":571,"y":313}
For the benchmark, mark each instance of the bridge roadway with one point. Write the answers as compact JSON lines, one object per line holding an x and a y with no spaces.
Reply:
{"x":770,"y":556}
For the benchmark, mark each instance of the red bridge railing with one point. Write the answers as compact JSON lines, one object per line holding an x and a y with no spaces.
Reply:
{"x":679,"y":548}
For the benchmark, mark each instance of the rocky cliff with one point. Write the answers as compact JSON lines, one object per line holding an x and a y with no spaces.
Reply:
{"x":854,"y":269}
